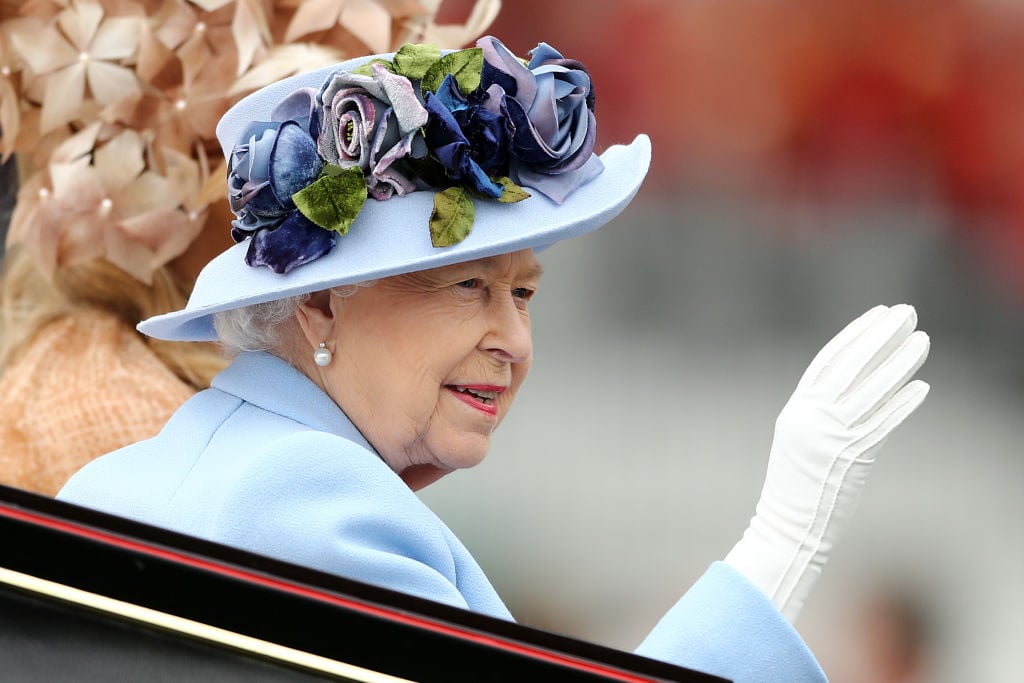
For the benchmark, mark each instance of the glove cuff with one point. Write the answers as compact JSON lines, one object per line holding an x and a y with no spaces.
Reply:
{"x":777,"y":567}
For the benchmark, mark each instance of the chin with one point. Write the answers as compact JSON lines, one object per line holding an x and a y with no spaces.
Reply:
{"x":462,"y":455}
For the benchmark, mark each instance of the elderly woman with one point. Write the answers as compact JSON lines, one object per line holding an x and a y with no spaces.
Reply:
{"x":389,"y":211}
{"x":116,"y":213}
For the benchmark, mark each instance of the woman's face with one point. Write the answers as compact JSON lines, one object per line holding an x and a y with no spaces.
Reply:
{"x":427,"y":364}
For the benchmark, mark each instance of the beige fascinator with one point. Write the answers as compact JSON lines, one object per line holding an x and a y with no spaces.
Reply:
{"x":111,"y":106}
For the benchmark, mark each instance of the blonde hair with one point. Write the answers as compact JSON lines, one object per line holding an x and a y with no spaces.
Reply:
{"x":29,"y":300}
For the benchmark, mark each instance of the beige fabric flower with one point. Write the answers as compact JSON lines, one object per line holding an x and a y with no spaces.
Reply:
{"x":10,"y":116}
{"x":80,"y":45}
{"x":115,"y":102}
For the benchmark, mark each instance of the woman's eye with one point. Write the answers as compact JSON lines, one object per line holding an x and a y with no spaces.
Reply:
{"x":522,"y":293}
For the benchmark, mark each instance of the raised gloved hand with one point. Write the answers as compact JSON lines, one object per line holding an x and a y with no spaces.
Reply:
{"x":854,"y":393}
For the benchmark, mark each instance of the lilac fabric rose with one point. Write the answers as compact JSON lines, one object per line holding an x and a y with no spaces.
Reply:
{"x":371,"y":122}
{"x":466,"y":138}
{"x":549,"y":107}
{"x":274,"y":160}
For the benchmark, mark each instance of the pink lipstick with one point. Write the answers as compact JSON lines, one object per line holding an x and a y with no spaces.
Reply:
{"x":483,"y":397}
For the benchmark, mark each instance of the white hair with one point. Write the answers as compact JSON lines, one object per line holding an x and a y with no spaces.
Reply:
{"x":258,"y":327}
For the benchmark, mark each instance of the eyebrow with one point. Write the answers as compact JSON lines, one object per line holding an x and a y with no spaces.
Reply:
{"x":535,"y":272}
{"x":490,"y":263}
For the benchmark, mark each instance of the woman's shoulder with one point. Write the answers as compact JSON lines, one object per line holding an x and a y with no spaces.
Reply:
{"x":106,"y":349}
{"x":89,"y":324}
{"x":323,"y":501}
{"x":92,"y":335}
{"x":302,"y":462}
{"x":305,"y":476}
{"x":271,"y":485}
{"x":95,"y":357}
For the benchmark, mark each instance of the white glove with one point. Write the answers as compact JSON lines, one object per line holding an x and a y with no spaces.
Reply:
{"x":855,"y":391}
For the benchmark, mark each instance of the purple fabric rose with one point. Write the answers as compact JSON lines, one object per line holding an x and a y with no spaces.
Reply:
{"x":468,"y":139}
{"x":371,"y":122}
{"x":549,"y":107}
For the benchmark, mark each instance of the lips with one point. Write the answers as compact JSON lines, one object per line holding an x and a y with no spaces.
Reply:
{"x":483,"y":397}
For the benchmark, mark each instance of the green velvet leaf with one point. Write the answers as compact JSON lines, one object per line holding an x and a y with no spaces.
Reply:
{"x":334,"y":200}
{"x":414,"y":59}
{"x":364,"y":69}
{"x":466,"y":65}
{"x":510,"y":192}
{"x":452,"y":218}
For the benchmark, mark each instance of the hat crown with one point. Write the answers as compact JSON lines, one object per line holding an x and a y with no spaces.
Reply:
{"x":471,"y":125}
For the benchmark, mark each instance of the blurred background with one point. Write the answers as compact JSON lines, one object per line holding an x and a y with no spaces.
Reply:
{"x":811,"y":159}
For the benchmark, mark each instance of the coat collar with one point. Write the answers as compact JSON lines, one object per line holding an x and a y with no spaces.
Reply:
{"x":267,"y":382}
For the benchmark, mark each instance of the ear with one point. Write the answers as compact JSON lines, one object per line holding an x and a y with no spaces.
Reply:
{"x":316,"y":318}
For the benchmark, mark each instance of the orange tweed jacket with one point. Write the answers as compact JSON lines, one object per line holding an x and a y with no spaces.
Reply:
{"x":85,"y":385}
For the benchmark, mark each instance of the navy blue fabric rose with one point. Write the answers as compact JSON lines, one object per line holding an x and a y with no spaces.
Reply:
{"x":469,"y":140}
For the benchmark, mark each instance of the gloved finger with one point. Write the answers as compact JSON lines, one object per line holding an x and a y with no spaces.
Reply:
{"x":889,"y":416}
{"x":858,"y":360}
{"x":881,"y":385}
{"x":849,"y":334}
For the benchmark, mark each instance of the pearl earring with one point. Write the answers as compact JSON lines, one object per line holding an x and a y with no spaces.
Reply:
{"x":322,"y":356}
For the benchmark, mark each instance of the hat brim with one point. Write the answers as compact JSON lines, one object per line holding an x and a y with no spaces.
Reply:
{"x":392,"y":237}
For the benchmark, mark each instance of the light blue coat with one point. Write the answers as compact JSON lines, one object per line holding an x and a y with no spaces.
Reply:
{"x":267,"y":462}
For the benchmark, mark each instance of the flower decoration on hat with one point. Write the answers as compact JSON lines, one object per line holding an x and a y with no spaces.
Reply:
{"x":111,"y":107}
{"x":477,"y":124}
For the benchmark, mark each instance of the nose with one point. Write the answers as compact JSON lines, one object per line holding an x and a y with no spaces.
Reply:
{"x":509,"y":337}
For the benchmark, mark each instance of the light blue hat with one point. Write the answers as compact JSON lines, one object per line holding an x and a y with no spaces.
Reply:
{"x":288,"y":125}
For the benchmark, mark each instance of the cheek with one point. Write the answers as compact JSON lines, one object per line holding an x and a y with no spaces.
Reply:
{"x":519,"y":373}
{"x":416,"y":379}
{"x":393,"y":405}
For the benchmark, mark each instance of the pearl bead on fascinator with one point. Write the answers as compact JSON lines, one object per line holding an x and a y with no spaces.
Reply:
{"x":111,"y":106}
